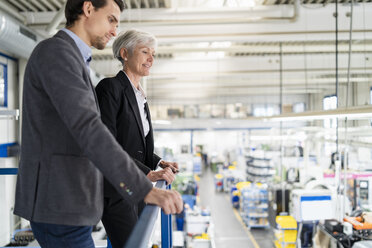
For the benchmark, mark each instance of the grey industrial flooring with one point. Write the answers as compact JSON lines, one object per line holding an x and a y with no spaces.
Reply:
{"x":229,"y":232}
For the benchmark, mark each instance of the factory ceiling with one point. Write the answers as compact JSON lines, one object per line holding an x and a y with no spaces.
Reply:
{"x":232,"y":49}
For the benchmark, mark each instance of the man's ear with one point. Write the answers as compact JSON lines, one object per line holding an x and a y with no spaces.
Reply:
{"x":87,"y":8}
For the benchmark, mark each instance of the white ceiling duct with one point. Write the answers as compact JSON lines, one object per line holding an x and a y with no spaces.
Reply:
{"x":15,"y":37}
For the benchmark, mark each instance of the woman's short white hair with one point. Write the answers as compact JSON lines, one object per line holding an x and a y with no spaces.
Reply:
{"x":130,"y":39}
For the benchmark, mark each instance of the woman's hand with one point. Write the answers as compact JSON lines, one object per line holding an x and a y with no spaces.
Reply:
{"x":165,"y":174}
{"x":172,"y":165}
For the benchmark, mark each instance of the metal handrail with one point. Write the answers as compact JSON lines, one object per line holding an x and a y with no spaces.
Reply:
{"x":141,"y":233}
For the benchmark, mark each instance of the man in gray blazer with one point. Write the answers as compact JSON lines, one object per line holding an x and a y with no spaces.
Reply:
{"x":66,"y":149}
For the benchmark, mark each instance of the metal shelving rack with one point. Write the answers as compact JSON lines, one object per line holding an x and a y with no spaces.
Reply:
{"x":254,"y":206}
{"x":259,"y":169}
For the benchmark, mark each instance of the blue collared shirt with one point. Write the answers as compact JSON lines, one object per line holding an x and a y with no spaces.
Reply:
{"x":85,"y":50}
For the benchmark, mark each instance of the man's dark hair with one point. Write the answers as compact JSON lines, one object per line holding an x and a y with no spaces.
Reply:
{"x":74,"y":8}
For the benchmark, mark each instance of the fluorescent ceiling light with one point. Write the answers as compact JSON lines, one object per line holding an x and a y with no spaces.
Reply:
{"x":277,"y":137}
{"x":162,"y":122}
{"x":351,"y":113}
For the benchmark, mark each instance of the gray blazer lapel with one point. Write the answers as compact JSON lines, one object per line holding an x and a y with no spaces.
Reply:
{"x":63,"y":35}
{"x":95,"y":95}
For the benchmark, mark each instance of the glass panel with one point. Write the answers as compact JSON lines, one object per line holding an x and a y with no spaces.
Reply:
{"x":299,"y":107}
{"x":330,"y":102}
{"x":2,"y":86}
{"x":265,"y":110}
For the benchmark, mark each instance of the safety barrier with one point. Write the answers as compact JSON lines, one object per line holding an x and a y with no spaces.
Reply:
{"x":142,"y":231}
{"x":141,"y":234}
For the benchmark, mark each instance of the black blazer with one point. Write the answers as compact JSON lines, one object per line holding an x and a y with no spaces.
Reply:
{"x":120,"y":113}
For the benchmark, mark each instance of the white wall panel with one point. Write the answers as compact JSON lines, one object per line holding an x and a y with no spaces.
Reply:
{"x":9,"y":132}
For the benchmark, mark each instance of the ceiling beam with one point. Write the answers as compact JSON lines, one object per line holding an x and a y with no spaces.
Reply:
{"x":12,"y":11}
{"x":194,"y":94}
{"x":257,"y":49}
{"x":60,"y":15}
{"x":352,"y":113}
{"x":17,"y":4}
{"x":49,"y":5}
{"x":146,"y":3}
{"x":128,"y":4}
{"x":137,"y":3}
{"x":252,"y":82}
{"x":57,"y":3}
{"x":29,"y":6}
{"x":168,"y":4}
{"x":156,"y":3}
{"x":38,"y":5}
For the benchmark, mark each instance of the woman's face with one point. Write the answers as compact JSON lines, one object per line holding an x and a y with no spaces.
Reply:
{"x":140,"y":62}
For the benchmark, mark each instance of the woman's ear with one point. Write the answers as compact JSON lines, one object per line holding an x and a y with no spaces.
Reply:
{"x":124,"y":54}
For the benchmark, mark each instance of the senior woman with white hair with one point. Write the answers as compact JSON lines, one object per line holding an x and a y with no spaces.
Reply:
{"x":125,"y":112}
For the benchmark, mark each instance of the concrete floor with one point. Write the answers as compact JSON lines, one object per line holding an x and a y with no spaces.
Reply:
{"x":229,"y":230}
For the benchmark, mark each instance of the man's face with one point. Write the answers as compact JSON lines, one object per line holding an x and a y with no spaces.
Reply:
{"x":102,"y":24}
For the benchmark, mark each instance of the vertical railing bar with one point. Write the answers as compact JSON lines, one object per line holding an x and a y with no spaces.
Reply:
{"x":170,"y":224}
{"x":166,"y":228}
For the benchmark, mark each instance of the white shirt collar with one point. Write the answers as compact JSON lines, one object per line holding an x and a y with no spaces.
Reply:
{"x":137,"y":91}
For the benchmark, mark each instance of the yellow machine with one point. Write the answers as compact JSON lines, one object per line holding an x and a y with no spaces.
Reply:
{"x":286,"y":232}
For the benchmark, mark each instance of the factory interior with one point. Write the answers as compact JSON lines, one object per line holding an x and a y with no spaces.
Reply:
{"x":266,"y":106}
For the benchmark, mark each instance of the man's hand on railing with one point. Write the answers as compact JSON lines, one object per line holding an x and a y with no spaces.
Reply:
{"x":169,"y":200}
{"x":165,"y":174}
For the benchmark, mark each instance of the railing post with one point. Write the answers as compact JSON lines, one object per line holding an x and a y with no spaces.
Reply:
{"x":170,"y":224}
{"x":108,"y":243}
{"x":166,"y":229}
